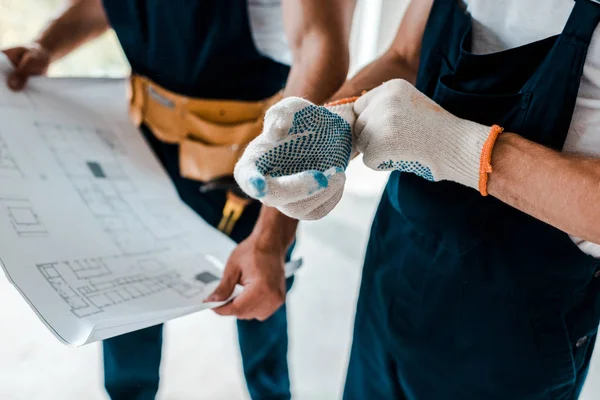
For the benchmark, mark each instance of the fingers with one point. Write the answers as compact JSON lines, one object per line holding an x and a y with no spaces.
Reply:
{"x":291,"y":188}
{"x":345,"y":110}
{"x":231,"y":277}
{"x":30,"y":63}
{"x":246,"y":172}
{"x":307,"y":195}
{"x":363,"y":101}
{"x":328,"y":202}
{"x":319,"y":205}
{"x":16,"y":81}
{"x":280,"y":118}
{"x":276,"y":191}
{"x":241,"y":307}
{"x":254,"y":303}
{"x":15,"y":55}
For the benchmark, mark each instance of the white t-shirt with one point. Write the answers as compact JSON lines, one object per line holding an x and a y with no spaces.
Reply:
{"x":266,"y":24}
{"x":504,"y":24}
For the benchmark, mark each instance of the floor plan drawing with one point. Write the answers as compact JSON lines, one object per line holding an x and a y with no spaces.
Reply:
{"x":90,"y":158}
{"x":93,"y":234}
{"x":8,"y":165}
{"x":90,"y":286}
{"x":23,"y":217}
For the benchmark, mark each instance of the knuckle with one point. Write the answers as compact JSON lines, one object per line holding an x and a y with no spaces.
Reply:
{"x":239,"y":309}
{"x":233,"y":309}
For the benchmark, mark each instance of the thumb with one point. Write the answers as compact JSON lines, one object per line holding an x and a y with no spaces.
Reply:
{"x":29,"y":65}
{"x":231,"y":277}
{"x":363,"y":101}
{"x":15,"y":55}
{"x":16,"y":81}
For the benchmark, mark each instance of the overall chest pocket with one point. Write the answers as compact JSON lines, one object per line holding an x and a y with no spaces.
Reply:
{"x":457,"y":215}
{"x":492,"y":105}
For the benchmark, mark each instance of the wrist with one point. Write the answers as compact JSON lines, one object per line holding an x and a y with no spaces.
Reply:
{"x":41,"y":46}
{"x":468,"y":155}
{"x":274,"y":231}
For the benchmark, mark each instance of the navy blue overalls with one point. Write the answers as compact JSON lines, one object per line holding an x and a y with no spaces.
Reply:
{"x":464,"y":297}
{"x":203,"y":49}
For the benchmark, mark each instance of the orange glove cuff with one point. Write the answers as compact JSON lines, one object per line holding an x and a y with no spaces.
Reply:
{"x":342,"y":101}
{"x":485,"y":167}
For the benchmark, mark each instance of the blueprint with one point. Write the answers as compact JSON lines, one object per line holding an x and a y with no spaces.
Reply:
{"x":92,"y":232}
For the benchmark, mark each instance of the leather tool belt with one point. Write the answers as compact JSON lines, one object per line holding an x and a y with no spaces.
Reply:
{"x":212,"y":135}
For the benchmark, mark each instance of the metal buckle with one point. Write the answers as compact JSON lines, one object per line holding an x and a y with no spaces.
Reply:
{"x":159,"y":98}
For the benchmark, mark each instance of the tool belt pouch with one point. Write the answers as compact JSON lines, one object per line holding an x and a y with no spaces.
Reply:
{"x":211,"y":150}
{"x":212,"y":134}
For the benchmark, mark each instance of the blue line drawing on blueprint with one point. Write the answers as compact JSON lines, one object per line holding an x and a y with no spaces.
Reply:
{"x":90,"y":160}
{"x":89,"y":286}
{"x":8,"y":166}
{"x":25,"y":221}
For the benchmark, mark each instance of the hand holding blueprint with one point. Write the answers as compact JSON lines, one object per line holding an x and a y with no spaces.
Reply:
{"x":92,"y":232}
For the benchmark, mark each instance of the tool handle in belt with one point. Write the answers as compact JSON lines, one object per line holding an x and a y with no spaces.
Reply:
{"x":234,"y":207}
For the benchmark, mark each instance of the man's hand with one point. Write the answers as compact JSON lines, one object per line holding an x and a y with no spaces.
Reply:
{"x":28,"y":61}
{"x":318,"y":33}
{"x":79,"y":22}
{"x":399,"y":128}
{"x":261,"y":271}
{"x":298,"y":163}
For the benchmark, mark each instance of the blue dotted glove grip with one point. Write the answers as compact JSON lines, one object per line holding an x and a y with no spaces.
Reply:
{"x":408,"y":166}
{"x":324,"y":141}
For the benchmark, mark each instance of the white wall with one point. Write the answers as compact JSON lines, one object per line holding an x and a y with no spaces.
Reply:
{"x":375,"y":25}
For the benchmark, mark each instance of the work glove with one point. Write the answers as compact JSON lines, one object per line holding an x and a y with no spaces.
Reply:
{"x":399,"y":128}
{"x":298,"y":163}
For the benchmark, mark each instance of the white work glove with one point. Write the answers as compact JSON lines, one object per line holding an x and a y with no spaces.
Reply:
{"x":298,"y":163}
{"x":399,"y":128}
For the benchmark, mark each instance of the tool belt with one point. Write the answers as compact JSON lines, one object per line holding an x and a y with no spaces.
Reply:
{"x":211,"y":134}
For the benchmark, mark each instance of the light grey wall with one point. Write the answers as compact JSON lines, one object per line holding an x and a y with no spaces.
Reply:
{"x":374,"y":27}
{"x":391,"y":15}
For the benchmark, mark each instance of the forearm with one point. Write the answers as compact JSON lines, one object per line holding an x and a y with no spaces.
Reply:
{"x":401,"y":60}
{"x":316,"y":75}
{"x":560,"y":189}
{"x":320,"y":67}
{"x":274,"y":230}
{"x":387,"y":67}
{"x":79,"y":22}
{"x":319,"y":39}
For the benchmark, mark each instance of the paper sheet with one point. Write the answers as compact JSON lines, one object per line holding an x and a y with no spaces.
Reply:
{"x":92,"y":232}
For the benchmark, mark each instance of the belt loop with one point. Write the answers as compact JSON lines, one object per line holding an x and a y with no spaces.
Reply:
{"x":232,"y":211}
